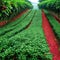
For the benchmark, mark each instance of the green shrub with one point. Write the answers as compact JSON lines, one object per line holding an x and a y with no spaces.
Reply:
{"x":10,"y":8}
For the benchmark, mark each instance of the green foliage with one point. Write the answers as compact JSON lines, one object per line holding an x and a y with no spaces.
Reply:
{"x":50,"y":4}
{"x":12,"y":7}
{"x":29,"y":44}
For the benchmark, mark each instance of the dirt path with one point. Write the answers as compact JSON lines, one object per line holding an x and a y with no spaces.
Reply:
{"x":50,"y":37}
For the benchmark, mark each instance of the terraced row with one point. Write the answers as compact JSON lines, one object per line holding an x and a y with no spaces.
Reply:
{"x":29,"y":44}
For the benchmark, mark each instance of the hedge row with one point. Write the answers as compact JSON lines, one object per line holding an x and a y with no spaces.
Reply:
{"x":53,"y":5}
{"x":10,"y":8}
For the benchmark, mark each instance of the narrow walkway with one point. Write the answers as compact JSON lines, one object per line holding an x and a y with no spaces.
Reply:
{"x":50,"y":37}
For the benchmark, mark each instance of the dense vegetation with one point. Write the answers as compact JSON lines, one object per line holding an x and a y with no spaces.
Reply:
{"x":29,"y":44}
{"x":53,"y":5}
{"x":10,"y":8}
{"x":24,"y":38}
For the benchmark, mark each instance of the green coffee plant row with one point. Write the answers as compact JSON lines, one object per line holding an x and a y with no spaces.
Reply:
{"x":53,"y":5}
{"x":10,"y":8}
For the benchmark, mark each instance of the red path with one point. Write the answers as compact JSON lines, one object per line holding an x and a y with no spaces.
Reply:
{"x":50,"y":37}
{"x":16,"y":17}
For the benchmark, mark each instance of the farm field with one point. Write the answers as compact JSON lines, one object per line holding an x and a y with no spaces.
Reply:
{"x":29,"y":30}
{"x":29,"y":43}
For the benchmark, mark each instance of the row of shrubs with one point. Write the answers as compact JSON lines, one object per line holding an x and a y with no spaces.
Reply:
{"x":10,"y":8}
{"x":53,"y":5}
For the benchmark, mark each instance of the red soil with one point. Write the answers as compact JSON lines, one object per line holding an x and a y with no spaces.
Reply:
{"x":50,"y":37}
{"x":2,"y":23}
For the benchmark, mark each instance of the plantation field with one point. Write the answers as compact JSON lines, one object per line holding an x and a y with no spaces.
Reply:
{"x":29,"y":30}
{"x":24,"y":39}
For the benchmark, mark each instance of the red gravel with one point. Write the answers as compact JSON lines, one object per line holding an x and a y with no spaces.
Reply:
{"x":2,"y":23}
{"x":50,"y":37}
